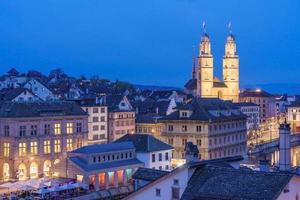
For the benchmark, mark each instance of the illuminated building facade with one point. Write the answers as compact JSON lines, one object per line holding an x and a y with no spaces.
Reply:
{"x":104,"y":166}
{"x":36,"y":136}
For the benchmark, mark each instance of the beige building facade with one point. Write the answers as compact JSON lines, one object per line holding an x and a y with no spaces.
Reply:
{"x":35,"y":138}
{"x":209,"y":86}
{"x":217,"y":127}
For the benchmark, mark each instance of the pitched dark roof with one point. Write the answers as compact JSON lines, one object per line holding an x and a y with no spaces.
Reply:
{"x":214,"y":182}
{"x":101,"y":148}
{"x":151,"y":106}
{"x":161,"y":94}
{"x":8,"y":94}
{"x":149,"y":118}
{"x":147,"y":174}
{"x":244,"y":104}
{"x":201,"y":108}
{"x":40,"y":109}
{"x":145,"y":142}
{"x":255,"y":93}
{"x":103,"y":165}
{"x":113,"y":101}
{"x":295,"y":103}
{"x":12,"y":72}
{"x":191,"y":84}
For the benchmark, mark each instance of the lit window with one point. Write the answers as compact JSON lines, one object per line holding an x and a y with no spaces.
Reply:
{"x":57,"y":147}
{"x":69,"y":144}
{"x":57,"y":129}
{"x":33,"y":148}
{"x":6,"y":149}
{"x":22,"y":149}
{"x":69,"y":128}
{"x":47,"y":147}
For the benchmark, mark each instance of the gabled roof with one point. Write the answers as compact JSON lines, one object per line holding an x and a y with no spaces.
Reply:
{"x":145,"y":143}
{"x":103,"y":165}
{"x":12,"y":72}
{"x":113,"y":101}
{"x":101,"y":148}
{"x":9,"y":94}
{"x":214,"y":182}
{"x":40,"y":109}
{"x":201,"y":108}
{"x":147,"y":174}
{"x":255,"y":93}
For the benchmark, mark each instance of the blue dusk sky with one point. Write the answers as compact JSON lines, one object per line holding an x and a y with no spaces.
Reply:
{"x":149,"y":41}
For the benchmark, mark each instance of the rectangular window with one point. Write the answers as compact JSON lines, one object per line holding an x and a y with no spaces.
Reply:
{"x":69,"y":144}
{"x":57,"y":129}
{"x":6,"y":131}
{"x":198,"y":128}
{"x":79,"y":142}
{"x":33,"y":130}
{"x":166,"y":156}
{"x":78,"y":127}
{"x":47,"y":147}
{"x":33,"y":148}
{"x":102,"y":110}
{"x":95,"y":119}
{"x":95,"y":110}
{"x":102,"y":127}
{"x":157,"y":192}
{"x":184,"y":128}
{"x":170,"y":127}
{"x":57,"y":147}
{"x":153,"y":157}
{"x":170,"y":141}
{"x":95,"y":128}
{"x":22,"y":131}
{"x":184,"y":141}
{"x":199,"y":142}
{"x":69,"y":128}
{"x":160,"y":157}
{"x":22,"y":149}
{"x":6,"y":149}
{"x":47,"y":129}
{"x":175,"y":193}
{"x":102,"y":119}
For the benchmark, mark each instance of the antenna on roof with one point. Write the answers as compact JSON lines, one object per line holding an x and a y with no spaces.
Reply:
{"x":204,"y":26}
{"x":229,"y":27}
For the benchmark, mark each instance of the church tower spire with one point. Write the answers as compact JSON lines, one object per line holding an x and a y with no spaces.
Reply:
{"x":231,"y":67}
{"x":194,"y":73}
{"x":205,"y":66}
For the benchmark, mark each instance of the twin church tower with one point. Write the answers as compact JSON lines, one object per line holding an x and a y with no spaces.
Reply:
{"x":203,"y":82}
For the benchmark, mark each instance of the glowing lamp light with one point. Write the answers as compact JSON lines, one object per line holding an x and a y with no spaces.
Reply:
{"x":258,"y":90}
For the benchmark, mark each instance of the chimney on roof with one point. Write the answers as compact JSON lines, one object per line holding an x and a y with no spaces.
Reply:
{"x":191,"y":152}
{"x":156,"y":110}
{"x":284,"y":147}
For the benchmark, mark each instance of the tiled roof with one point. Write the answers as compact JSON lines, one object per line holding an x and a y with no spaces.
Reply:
{"x":101,"y":148}
{"x":214,"y":182}
{"x":149,"y":118}
{"x":113,"y":101}
{"x":8,"y":94}
{"x":39,"y":109}
{"x":103,"y":165}
{"x":149,"y":174}
{"x":200,"y":110}
{"x":161,"y":94}
{"x":255,"y":93}
{"x":295,"y":103}
{"x":191,"y":84}
{"x":145,"y":142}
{"x":151,"y":106}
{"x":244,"y":104}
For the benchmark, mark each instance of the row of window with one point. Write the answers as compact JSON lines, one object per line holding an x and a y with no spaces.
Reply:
{"x":123,"y":116}
{"x":160,"y":157}
{"x":33,"y":129}
{"x":118,"y":132}
{"x":106,"y":158}
{"x":125,"y":123}
{"x":96,"y":127}
{"x":226,"y":139}
{"x":96,"y":119}
{"x":184,"y":128}
{"x":96,"y":110}
{"x":22,"y":147}
{"x":216,"y":127}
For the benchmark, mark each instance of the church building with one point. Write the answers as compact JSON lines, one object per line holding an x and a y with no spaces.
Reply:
{"x":203,"y":82}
